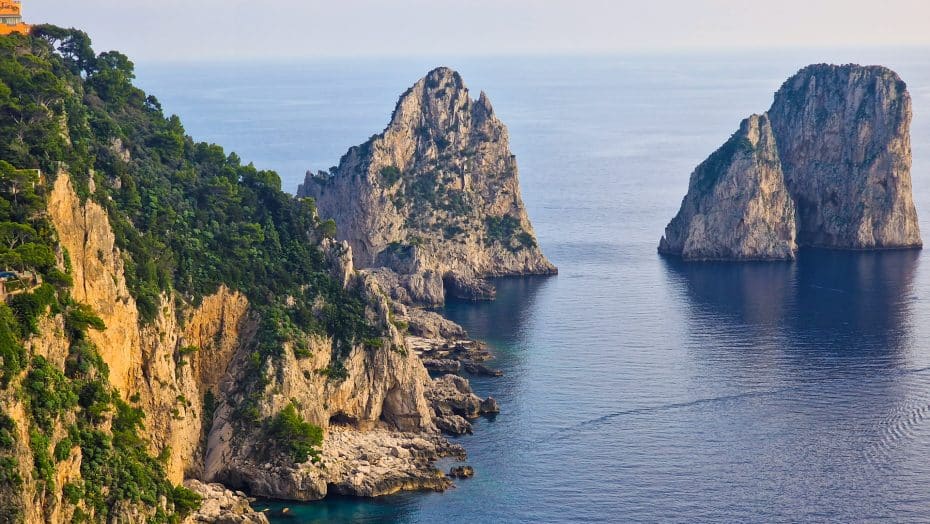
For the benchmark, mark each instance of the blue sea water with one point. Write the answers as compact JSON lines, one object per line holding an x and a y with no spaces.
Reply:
{"x":636,"y":388}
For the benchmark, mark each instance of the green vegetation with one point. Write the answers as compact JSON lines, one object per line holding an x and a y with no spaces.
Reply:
{"x":48,"y":394}
{"x":391,"y":175}
{"x":10,"y":479}
{"x":423,"y":189}
{"x":507,"y":230}
{"x":336,"y":372}
{"x":187,"y":217}
{"x":300,"y":438}
{"x":12,"y":352}
{"x":707,"y":174}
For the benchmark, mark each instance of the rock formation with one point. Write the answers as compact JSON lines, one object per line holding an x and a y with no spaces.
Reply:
{"x":192,"y":323}
{"x":738,"y":206}
{"x":380,"y":424}
{"x":827,"y":166}
{"x":222,"y":506}
{"x":435,"y":198}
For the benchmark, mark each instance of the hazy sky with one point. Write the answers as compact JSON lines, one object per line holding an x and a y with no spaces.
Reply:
{"x":196,"y":29}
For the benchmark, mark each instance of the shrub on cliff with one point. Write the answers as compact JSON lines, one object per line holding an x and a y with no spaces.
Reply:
{"x":300,"y":438}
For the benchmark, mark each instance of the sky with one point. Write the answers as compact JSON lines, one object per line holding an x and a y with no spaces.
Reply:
{"x":192,"y":30}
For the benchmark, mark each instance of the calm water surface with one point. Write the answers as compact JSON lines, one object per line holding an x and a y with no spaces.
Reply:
{"x":636,"y":388}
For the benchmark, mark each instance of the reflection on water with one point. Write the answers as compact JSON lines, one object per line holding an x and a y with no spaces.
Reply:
{"x":504,"y":319}
{"x":826,"y":300}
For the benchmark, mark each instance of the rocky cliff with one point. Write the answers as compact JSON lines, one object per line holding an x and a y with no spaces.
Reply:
{"x":837,"y":140}
{"x":738,"y":206}
{"x":189,"y":322}
{"x":435,"y":196}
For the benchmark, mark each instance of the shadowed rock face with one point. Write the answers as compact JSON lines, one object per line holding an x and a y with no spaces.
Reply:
{"x":738,"y":206}
{"x":437,"y":191}
{"x":843,"y":134}
{"x":837,"y":141}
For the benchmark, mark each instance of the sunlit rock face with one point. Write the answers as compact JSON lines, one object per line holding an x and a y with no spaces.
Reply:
{"x":827,"y":166}
{"x":437,"y":192}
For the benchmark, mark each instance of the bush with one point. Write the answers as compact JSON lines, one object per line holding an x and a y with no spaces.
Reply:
{"x":44,"y":467}
{"x":185,"y":501}
{"x":48,"y":393}
{"x":327,"y":229}
{"x":390,"y":175}
{"x":63,"y":449}
{"x":81,"y":317}
{"x":300,"y":438}
{"x":30,"y":307}
{"x":12,"y":353}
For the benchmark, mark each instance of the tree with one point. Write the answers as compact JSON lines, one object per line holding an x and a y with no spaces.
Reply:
{"x":13,"y":234}
{"x":112,"y":78}
{"x":74,"y":46}
{"x":35,"y":256}
{"x":300,"y":437}
{"x":18,"y":184}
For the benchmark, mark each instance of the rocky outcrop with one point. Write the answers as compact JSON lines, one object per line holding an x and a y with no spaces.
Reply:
{"x":462,"y":472}
{"x":222,"y":506}
{"x":436,"y":194}
{"x":455,"y":404}
{"x":424,"y":288}
{"x":737,"y":206}
{"x":843,"y":135}
{"x":836,"y":141}
{"x":380,"y":429}
{"x":356,"y":463}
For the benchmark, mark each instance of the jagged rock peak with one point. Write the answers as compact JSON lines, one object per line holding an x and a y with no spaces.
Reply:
{"x":841,"y":140}
{"x":436,"y":194}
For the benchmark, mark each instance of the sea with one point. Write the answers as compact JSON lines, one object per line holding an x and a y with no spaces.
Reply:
{"x":636,"y":388}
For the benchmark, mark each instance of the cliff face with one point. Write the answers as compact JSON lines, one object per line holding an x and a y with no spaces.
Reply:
{"x":435,"y":194}
{"x":151,"y":362}
{"x":191,"y":352}
{"x":837,"y":141}
{"x":182,"y":318}
{"x":738,"y":206}
{"x":843,"y":134}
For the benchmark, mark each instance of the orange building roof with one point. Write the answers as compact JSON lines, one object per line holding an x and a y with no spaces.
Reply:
{"x":11,"y":8}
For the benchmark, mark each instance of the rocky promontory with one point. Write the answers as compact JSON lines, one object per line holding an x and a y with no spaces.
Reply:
{"x":434,"y":200}
{"x":827,"y":166}
{"x":197,"y":336}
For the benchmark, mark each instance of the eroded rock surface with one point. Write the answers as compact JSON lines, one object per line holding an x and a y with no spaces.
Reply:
{"x":222,"y":506}
{"x":364,"y":464}
{"x":436,"y":194}
{"x":738,"y":206}
{"x":454,"y":404}
{"x":836,"y":141}
{"x":843,"y":135}
{"x":380,"y":431}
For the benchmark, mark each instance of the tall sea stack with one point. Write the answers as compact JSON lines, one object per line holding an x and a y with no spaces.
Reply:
{"x":841,"y":152}
{"x":433,"y":198}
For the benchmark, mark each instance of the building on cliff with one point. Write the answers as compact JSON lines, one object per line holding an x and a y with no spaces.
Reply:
{"x":11,"y":18}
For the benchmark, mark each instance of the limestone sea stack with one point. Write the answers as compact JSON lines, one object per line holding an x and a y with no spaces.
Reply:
{"x":836,"y":141}
{"x":738,"y":206}
{"x":434,"y":198}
